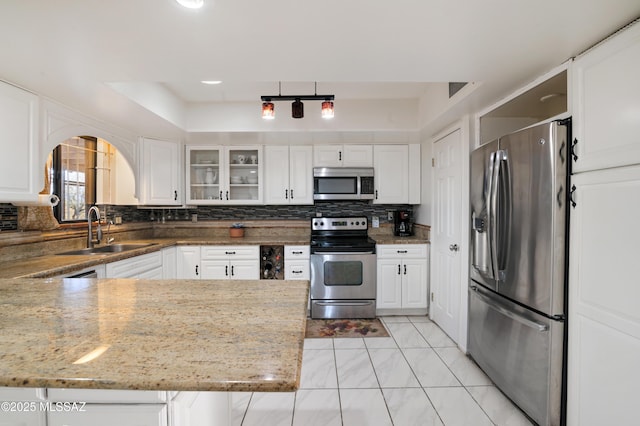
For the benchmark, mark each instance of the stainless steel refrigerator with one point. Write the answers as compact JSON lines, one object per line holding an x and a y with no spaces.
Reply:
{"x":517,"y":288}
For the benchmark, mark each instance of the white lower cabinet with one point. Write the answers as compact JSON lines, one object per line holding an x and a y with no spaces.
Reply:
{"x":22,"y":407}
{"x":296,"y":263}
{"x":109,"y":415}
{"x":147,"y":266}
{"x":230,"y":262}
{"x":402,"y":278}
{"x":169,"y":263}
{"x":218,"y":262}
{"x":200,"y":409}
{"x":188,"y":262}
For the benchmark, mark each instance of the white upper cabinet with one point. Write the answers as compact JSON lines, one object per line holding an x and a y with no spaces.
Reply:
{"x":606,"y":101}
{"x":343,"y":156}
{"x":19,"y":163}
{"x":288,"y":175}
{"x":159,"y":172}
{"x":224,"y":175}
{"x":391,"y":164}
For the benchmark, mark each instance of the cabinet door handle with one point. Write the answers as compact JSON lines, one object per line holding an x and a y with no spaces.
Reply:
{"x":292,"y":194}
{"x":398,"y":269}
{"x":175,"y":195}
{"x":221,"y":195}
{"x":286,"y":194}
{"x":376,"y":194}
{"x":231,"y":270}
{"x":405,"y":269}
{"x":227,"y":195}
{"x":339,"y":155}
{"x":573,"y":149}
{"x":197,"y":270}
{"x":226,"y":271}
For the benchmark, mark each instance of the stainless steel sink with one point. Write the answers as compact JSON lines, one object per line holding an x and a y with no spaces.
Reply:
{"x":112,"y":248}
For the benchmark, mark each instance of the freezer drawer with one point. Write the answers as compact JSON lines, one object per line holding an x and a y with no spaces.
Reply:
{"x":520,"y":350}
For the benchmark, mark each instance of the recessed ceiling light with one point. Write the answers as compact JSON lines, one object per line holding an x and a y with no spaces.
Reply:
{"x":211,"y":82}
{"x":191,"y":4}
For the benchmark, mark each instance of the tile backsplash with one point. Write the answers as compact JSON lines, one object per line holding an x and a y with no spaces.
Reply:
{"x":129,"y":214}
{"x":8,"y":217}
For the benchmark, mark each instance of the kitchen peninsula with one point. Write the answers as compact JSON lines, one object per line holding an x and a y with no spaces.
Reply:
{"x":159,"y":335}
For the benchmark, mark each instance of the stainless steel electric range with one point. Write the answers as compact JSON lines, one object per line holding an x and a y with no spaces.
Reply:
{"x":343,"y":268}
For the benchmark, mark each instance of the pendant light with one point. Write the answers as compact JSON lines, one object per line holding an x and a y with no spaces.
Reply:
{"x":268,"y":110}
{"x":297,"y":107}
{"x":327,"y":109}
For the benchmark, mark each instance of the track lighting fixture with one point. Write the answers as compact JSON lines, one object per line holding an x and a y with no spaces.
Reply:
{"x":297,"y":107}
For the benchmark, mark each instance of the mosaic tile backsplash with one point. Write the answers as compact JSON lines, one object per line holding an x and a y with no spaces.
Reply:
{"x":129,"y":214}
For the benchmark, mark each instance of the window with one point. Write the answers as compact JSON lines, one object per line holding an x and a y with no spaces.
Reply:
{"x":74,"y":178}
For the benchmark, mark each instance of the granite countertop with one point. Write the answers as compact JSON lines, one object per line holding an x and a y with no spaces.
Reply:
{"x":392,"y":239}
{"x":55,"y":265}
{"x":180,"y":335}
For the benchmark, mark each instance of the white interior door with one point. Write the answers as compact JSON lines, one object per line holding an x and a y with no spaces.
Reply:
{"x":446,"y":235}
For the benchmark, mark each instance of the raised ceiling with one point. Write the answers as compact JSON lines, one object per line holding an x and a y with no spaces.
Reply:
{"x":71,"y":50}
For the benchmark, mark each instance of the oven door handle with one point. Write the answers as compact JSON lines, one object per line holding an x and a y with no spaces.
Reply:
{"x":343,"y":303}
{"x":322,"y":253}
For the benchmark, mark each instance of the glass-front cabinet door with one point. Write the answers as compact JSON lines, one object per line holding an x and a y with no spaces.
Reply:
{"x":205,"y":172}
{"x":223,"y":175}
{"x":244,"y":174}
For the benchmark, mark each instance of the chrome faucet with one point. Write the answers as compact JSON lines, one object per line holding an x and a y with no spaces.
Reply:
{"x":90,"y":240}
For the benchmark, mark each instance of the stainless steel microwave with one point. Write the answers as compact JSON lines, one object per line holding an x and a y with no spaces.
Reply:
{"x":343,"y":183}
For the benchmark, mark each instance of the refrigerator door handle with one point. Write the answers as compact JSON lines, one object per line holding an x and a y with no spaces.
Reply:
{"x":492,"y":208}
{"x":502,"y":214}
{"x":524,"y":321}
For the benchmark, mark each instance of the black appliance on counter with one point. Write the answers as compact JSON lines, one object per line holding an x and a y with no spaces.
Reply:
{"x":272,"y":262}
{"x":402,"y":224}
{"x":343,"y":268}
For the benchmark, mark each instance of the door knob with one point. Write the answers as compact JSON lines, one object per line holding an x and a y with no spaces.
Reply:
{"x":454,"y":247}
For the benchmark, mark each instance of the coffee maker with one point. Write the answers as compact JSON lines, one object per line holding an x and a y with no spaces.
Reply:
{"x":402,"y":225}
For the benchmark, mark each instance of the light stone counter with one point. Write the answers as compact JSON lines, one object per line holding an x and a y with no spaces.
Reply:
{"x":179,"y":335}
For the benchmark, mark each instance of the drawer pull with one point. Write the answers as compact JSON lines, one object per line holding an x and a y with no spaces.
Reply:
{"x":402,"y":251}
{"x":229,"y":252}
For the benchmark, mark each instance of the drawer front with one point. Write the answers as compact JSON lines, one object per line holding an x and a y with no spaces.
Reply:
{"x":230,"y":252}
{"x":401,"y":251}
{"x":296,"y":269}
{"x":296,"y":252}
{"x":128,"y":268}
{"x":106,"y":396}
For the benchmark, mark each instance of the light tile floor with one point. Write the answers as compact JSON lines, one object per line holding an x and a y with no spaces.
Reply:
{"x":418,"y":376}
